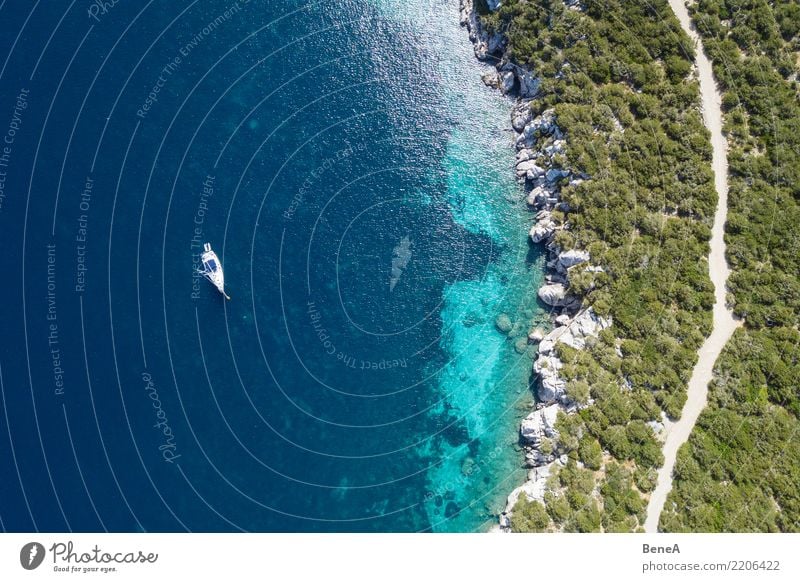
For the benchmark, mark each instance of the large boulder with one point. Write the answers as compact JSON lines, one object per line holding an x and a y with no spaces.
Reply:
{"x":528,"y":167}
{"x":521,"y":115}
{"x":540,"y":424}
{"x":535,"y":335}
{"x":548,"y":343}
{"x":506,"y":81}
{"x":539,"y":196}
{"x":503,"y":323}
{"x":491,"y":79}
{"x":544,"y":124}
{"x":551,"y":385}
{"x":496,"y":43}
{"x":529,"y":85}
{"x":525,"y":154}
{"x":571,"y":258}
{"x":553,"y":175}
{"x":555,"y":295}
{"x":543,"y":228}
{"x":586,"y":325}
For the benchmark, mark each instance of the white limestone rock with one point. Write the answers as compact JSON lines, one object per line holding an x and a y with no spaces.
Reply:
{"x":555,"y":295}
{"x":536,"y":335}
{"x":525,"y":154}
{"x":536,"y":176}
{"x":533,"y":489}
{"x":658,"y":427}
{"x":567,"y":259}
{"x":543,"y":228}
{"x":527,"y":167}
{"x":521,"y":115}
{"x":551,"y":385}
{"x":540,"y":424}
{"x":544,"y":124}
{"x":586,"y":325}
{"x":538,"y":196}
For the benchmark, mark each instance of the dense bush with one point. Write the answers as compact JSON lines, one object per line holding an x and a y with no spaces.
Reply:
{"x":740,"y":470}
{"x":617,"y":75}
{"x":529,"y":516}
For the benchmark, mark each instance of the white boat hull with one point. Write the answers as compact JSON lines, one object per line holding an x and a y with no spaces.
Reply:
{"x":212,"y":269}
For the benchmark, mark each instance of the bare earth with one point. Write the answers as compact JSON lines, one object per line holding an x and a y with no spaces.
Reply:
{"x":724,"y":322}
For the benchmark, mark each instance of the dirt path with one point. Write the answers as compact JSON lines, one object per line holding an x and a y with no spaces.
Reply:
{"x":724,"y":323}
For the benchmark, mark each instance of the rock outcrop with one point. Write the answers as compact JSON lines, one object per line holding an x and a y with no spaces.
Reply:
{"x":571,"y":258}
{"x":556,"y":295}
{"x":540,"y":424}
{"x":544,"y":227}
{"x":541,"y":145}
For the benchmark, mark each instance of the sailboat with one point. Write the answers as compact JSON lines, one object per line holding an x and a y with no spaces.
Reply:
{"x":212,"y":269}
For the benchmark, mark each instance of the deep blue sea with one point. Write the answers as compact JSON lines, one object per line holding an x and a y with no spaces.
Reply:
{"x":355,"y":177}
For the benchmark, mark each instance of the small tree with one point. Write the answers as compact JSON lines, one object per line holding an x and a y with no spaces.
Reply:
{"x":529,"y":517}
{"x":590,"y":453}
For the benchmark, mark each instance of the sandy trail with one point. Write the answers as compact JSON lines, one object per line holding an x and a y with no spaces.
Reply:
{"x":724,"y":322}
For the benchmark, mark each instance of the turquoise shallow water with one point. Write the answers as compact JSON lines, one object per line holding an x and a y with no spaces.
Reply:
{"x":355,"y":177}
{"x":484,"y":385}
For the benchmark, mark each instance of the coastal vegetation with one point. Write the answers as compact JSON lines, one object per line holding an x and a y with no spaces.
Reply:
{"x":617,"y":73}
{"x":739,"y":471}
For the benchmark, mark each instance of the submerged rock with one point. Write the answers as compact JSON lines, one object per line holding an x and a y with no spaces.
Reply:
{"x":503,"y":323}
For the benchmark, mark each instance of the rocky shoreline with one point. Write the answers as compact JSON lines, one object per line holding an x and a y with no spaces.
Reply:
{"x":541,"y":164}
